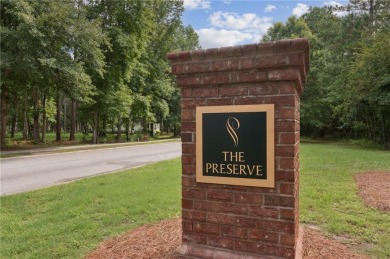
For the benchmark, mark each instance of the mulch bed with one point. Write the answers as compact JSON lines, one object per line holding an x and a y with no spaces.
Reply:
{"x":150,"y":241}
{"x":374,"y":189}
{"x":160,"y":240}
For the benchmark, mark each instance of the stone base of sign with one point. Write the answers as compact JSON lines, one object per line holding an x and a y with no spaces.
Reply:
{"x":199,"y":251}
{"x":232,"y":221}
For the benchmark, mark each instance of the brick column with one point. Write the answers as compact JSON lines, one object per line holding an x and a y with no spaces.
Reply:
{"x":227,"y":221}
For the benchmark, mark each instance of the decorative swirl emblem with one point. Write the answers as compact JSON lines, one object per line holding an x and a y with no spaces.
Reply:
{"x":232,"y":124}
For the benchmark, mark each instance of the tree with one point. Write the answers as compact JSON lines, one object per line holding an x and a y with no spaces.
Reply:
{"x":18,"y":67}
{"x":49,"y":68}
{"x":152,"y":83}
{"x":327,"y":59}
{"x":293,"y":28}
{"x":363,"y":109}
{"x":375,"y":12}
{"x":72,"y":43}
{"x":126,"y":24}
{"x":346,"y":93}
{"x":368,"y":90}
{"x":87,"y":50}
{"x":101,"y":59}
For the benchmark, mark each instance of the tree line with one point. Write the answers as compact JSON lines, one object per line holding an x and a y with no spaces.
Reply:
{"x":347,"y":93}
{"x":88,"y":65}
{"x":85,"y":65}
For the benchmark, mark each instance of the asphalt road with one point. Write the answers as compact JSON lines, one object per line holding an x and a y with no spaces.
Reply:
{"x":28,"y":173}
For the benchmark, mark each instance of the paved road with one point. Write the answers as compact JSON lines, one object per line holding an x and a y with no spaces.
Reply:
{"x":33,"y":172}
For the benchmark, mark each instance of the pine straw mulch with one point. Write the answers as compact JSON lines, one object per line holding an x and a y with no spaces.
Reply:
{"x":374,"y":189}
{"x":150,"y":241}
{"x":161,"y":239}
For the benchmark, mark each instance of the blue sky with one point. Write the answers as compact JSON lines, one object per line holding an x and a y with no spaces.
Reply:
{"x":221,"y":23}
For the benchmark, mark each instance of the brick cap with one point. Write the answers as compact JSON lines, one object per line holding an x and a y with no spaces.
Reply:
{"x":241,"y":50}
{"x":282,"y":47}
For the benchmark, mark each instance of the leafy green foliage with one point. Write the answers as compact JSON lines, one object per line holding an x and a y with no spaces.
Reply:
{"x":293,"y":28}
{"x":104,"y":58}
{"x":346,"y":93}
{"x":48,"y":48}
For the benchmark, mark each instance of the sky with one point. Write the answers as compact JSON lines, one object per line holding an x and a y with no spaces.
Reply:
{"x":222,"y":23}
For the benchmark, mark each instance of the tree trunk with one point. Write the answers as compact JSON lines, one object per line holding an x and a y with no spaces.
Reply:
{"x":383,"y":127}
{"x":95,"y":137}
{"x":119,"y":130}
{"x":13,"y":126}
{"x":151,"y":133}
{"x":64,"y":124}
{"x":4,"y":116}
{"x":36,"y":115}
{"x":58,"y":118}
{"x":85,"y":127}
{"x":371,"y":11}
{"x":144,"y":127}
{"x":127,"y":129}
{"x":25,"y":123}
{"x":29,"y":129}
{"x":18,"y":104}
{"x":104,"y":127}
{"x":374,"y":125}
{"x":44,"y":119}
{"x":73,"y":121}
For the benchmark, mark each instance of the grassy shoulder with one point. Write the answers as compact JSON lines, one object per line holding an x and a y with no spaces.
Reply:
{"x":17,"y":143}
{"x":70,"y":220}
{"x":18,"y":147}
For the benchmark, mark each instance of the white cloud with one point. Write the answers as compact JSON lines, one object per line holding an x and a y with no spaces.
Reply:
{"x":230,"y":29}
{"x":196,"y":4}
{"x":300,"y":9}
{"x":227,"y":1}
{"x":269,"y":8}
{"x":247,"y":22}
{"x":332,"y":3}
{"x":214,"y":38}
{"x":336,"y":4}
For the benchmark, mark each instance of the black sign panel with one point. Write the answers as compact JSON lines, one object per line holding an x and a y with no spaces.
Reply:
{"x":236,"y":145}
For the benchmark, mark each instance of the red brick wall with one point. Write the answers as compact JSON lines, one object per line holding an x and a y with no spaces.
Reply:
{"x":224,"y":220}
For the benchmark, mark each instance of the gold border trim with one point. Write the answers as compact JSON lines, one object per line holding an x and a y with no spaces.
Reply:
{"x":270,"y":111}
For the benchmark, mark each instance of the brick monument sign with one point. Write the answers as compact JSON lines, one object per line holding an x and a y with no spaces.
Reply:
{"x":240,"y":149}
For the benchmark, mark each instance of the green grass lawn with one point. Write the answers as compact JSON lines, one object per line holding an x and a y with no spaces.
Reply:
{"x":70,"y":220}
{"x":328,"y":194}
